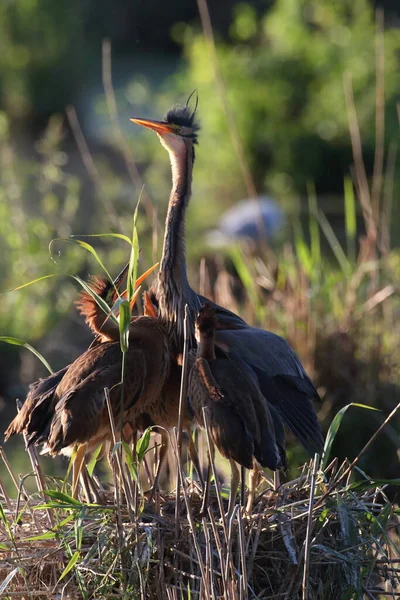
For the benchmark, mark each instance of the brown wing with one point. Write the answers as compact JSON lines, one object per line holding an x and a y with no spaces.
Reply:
{"x":37,"y":400}
{"x":82,"y":411}
{"x":227,"y":428}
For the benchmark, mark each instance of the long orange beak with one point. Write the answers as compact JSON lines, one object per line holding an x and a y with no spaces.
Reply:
{"x":158,"y":126}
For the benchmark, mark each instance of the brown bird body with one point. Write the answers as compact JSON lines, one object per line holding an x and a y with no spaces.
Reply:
{"x":68,"y":409}
{"x":240,"y":423}
{"x":80,"y":414}
{"x":162,"y":412}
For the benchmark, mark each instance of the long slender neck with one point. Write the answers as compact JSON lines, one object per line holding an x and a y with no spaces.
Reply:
{"x":173,"y":290}
{"x":173,"y":259}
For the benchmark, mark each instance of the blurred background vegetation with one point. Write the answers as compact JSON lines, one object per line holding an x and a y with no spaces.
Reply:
{"x":276,"y":97}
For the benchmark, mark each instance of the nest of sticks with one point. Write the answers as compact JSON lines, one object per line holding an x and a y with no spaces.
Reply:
{"x":316,"y":537}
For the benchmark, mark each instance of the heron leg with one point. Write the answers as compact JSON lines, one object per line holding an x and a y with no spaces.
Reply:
{"x":254,"y":481}
{"x":235,"y":478}
{"x":161,"y":460}
{"x":242,"y":484}
{"x":206,"y":491}
{"x":77,"y":468}
{"x":89,"y":486}
{"x":194,"y":457}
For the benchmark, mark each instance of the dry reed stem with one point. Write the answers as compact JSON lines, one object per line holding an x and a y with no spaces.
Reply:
{"x":34,"y":458}
{"x":377,"y":177}
{"x":360,"y":172}
{"x":182,"y":400}
{"x":118,"y":458}
{"x":307,"y":545}
{"x":90,"y":166}
{"x":114,"y":117}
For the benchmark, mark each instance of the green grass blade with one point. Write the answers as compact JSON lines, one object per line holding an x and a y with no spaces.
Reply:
{"x":247,"y":279}
{"x":313,"y":226}
{"x":24,"y":285}
{"x":371,"y":484}
{"x":49,"y":535}
{"x":134,"y":257}
{"x":99,"y":301}
{"x":124,"y":324}
{"x":302,"y":251}
{"x":143,"y":443}
{"x":82,"y":244}
{"x":130,"y":462}
{"x":350,"y":218}
{"x":334,"y":243}
{"x":334,"y":427}
{"x":17,"y":342}
{"x":120,"y":236}
{"x":72,"y":562}
{"x":64,"y":498}
{"x":8,"y":579}
{"x":92,"y":463}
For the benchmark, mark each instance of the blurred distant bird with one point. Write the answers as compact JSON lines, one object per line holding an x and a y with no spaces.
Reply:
{"x":282,"y":378}
{"x":256,"y":219}
{"x":240,"y":422}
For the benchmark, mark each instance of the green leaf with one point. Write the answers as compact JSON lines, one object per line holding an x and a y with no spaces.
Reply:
{"x":55,"y":531}
{"x":350,"y":217}
{"x":63,"y":497}
{"x":313,"y":225}
{"x":130,"y":462}
{"x":371,"y":484}
{"x":84,"y":245}
{"x":72,"y":562}
{"x":92,"y":463}
{"x":143,"y":443}
{"x":8,"y":579}
{"x":3,"y":515}
{"x":98,"y":299}
{"x":17,"y":342}
{"x":333,"y":429}
{"x":134,"y":256}
{"x":334,"y":243}
{"x":112,"y":235}
{"x":124,"y":324}
{"x":302,"y":250}
{"x":20,"y":287}
{"x":4,"y":547}
{"x":79,"y":531}
{"x":49,"y":535}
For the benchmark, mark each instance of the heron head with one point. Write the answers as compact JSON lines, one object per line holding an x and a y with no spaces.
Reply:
{"x":178,"y":129}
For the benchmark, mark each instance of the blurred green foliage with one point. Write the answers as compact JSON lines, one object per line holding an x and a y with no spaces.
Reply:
{"x":283,"y":75}
{"x":39,"y":200}
{"x":41,"y":57}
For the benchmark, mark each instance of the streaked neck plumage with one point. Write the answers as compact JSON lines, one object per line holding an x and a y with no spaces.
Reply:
{"x":173,"y":290}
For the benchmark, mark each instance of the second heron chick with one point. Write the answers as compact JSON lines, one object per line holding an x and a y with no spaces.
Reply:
{"x":239,"y":419}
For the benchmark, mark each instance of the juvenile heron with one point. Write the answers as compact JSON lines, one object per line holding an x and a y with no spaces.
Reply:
{"x":67,"y":410}
{"x":240,"y":422}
